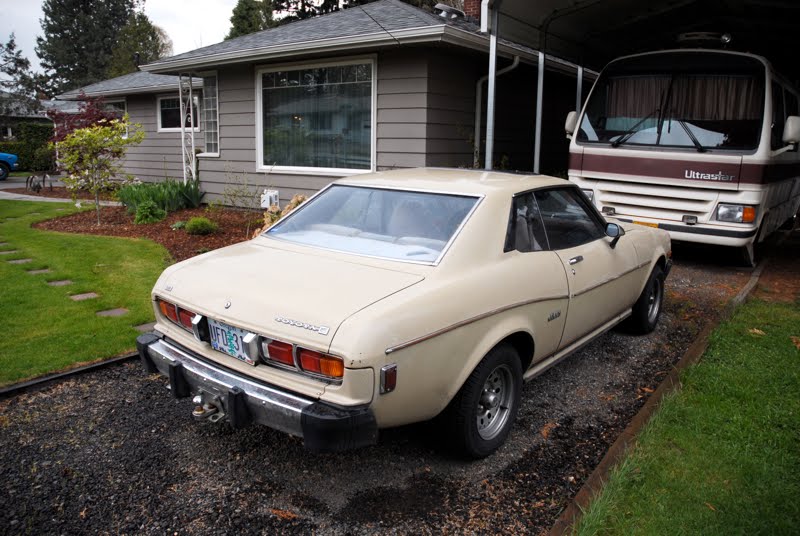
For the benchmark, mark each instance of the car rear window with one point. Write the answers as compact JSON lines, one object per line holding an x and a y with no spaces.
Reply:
{"x":400,"y":225}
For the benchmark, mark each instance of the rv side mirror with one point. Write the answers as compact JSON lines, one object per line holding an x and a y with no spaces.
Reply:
{"x":570,"y":124}
{"x":791,"y":130}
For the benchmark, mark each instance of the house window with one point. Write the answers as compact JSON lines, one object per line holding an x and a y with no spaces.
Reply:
{"x":169,"y":114}
{"x":120,"y":108}
{"x":317,"y":117}
{"x":210,"y":115}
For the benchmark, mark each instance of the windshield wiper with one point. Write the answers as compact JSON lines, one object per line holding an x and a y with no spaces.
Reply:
{"x":697,"y":144}
{"x":631,"y":131}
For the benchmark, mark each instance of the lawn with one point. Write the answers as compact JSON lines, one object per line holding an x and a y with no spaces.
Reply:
{"x":44,"y":330}
{"x":722,"y":456}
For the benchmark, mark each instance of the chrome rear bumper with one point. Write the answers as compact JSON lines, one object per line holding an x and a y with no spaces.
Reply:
{"x":322,"y":426}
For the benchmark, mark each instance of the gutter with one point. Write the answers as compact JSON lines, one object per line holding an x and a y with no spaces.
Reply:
{"x":121,"y":92}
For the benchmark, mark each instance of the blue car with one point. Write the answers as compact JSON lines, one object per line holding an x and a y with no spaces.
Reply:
{"x":8,"y":162}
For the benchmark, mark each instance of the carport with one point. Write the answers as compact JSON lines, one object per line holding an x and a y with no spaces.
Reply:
{"x":589,"y":33}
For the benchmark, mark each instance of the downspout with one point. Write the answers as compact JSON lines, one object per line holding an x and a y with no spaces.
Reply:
{"x":476,"y":147}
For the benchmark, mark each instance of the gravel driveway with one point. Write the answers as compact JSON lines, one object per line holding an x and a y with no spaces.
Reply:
{"x":111,"y":452}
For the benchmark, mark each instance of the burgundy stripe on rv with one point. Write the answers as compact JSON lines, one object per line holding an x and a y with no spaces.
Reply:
{"x":677,"y":169}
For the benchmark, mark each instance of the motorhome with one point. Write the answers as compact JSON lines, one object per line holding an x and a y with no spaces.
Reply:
{"x":702,"y":143}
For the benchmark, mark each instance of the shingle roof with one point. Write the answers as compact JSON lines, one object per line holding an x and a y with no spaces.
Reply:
{"x":127,"y":84}
{"x":382,"y":16}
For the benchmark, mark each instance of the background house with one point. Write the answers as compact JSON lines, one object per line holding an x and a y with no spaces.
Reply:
{"x":378,"y":86}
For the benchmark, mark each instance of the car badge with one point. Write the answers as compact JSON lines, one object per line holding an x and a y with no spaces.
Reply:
{"x":322,"y":330}
{"x":227,"y":305}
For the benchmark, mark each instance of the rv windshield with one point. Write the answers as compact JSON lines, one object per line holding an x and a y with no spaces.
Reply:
{"x":683,"y":99}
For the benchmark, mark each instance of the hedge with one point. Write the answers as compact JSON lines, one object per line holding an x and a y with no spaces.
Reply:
{"x":31,"y":146}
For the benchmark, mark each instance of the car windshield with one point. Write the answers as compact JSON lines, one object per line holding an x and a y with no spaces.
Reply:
{"x":696,"y":100}
{"x":392,"y":224}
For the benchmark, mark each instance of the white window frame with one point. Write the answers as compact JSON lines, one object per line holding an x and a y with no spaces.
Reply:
{"x":175,"y":129}
{"x":124,"y":102}
{"x":307,"y":170}
{"x":205,"y":74}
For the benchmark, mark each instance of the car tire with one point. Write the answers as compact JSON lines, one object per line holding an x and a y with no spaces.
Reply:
{"x":647,"y":309}
{"x":4,"y":171}
{"x":481,"y":415}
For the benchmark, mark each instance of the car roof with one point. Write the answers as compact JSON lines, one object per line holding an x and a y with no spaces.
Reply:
{"x":455,"y":181}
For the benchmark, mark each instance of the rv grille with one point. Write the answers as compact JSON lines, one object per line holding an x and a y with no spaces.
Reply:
{"x":658,"y":202}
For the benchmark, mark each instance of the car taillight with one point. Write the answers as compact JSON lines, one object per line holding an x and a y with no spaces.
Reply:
{"x":178,"y":315}
{"x":185,"y":318}
{"x":169,"y":310}
{"x":278,"y":351}
{"x":318,"y":363}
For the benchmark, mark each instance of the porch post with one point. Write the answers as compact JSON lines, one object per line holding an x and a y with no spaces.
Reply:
{"x":489,"y":152}
{"x":537,"y":147}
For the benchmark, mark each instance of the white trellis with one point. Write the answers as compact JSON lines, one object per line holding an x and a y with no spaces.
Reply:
{"x":186,"y":95}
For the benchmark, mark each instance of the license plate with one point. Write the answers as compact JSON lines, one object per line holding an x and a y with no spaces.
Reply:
{"x":228,"y":340}
{"x":646,"y":224}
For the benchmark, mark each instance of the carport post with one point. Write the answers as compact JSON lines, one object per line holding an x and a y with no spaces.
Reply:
{"x":537,"y":146}
{"x":489,"y":152}
{"x":579,"y":90}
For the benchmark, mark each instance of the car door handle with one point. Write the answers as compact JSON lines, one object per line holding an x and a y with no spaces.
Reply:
{"x":576,"y":260}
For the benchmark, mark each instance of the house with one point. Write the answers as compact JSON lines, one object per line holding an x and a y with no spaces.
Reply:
{"x":13,"y":112}
{"x":150,"y":100}
{"x":378,"y":86}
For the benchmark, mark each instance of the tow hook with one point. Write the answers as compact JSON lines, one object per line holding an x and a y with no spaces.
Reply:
{"x":207,"y":409}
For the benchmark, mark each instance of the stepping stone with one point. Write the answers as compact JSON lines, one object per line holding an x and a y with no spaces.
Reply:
{"x":3,"y":244}
{"x":113,"y":312}
{"x":61,"y":283}
{"x":20,"y":261}
{"x":41,"y":271}
{"x":144,"y":328}
{"x":9,"y":252}
{"x":33,"y":213}
{"x":86,"y":296}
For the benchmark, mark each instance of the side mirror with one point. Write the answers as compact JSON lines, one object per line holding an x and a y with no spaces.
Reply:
{"x":570,"y":124}
{"x":614,"y":231}
{"x":791,"y":130}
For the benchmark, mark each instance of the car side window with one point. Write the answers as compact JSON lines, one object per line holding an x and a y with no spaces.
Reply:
{"x":568,"y":222}
{"x":525,"y":229}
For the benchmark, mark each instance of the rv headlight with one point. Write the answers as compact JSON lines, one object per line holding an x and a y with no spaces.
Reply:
{"x":588,"y":193}
{"x":736,"y":213}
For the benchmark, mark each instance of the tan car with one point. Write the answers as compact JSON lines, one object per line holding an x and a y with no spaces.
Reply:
{"x":399,"y":296}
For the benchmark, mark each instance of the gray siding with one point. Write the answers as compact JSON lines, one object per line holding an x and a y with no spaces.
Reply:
{"x":425,"y":117}
{"x":159,"y":155}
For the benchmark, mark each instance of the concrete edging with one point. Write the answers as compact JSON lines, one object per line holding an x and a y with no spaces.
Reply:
{"x":627,"y":439}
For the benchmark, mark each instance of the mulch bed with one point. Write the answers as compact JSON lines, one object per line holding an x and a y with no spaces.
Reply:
{"x":115,"y":221}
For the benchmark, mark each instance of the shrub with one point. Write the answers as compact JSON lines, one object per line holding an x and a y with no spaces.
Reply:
{"x":170,"y":195}
{"x":44,"y":159}
{"x":178,"y":225}
{"x":149,"y":212}
{"x":200,"y":226}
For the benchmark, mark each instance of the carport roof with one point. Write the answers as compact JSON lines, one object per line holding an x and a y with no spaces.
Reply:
{"x":592,"y":32}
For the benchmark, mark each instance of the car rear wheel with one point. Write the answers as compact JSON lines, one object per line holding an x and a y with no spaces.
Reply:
{"x":647,"y":309}
{"x":4,"y":171}
{"x":483,"y":412}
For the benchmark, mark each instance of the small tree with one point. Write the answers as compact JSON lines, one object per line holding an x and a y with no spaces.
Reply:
{"x":91,"y":156}
{"x":91,"y":110}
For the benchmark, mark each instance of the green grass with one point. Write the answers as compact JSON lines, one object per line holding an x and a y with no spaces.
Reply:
{"x":20,"y":173}
{"x":43,"y":329}
{"x":722,"y":456}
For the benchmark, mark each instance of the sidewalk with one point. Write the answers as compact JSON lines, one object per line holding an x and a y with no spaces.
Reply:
{"x":19,"y":182}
